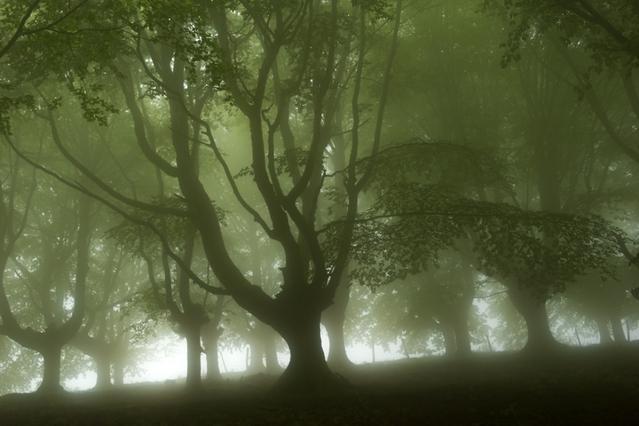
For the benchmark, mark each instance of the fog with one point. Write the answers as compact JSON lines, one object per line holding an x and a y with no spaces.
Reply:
{"x":427,"y":208}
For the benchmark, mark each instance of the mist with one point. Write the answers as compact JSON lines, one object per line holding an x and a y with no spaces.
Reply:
{"x":319,"y":212}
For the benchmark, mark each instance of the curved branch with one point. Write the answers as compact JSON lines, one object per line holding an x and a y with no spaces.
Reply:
{"x":55,"y":22}
{"x":133,"y":219}
{"x":103,"y":185}
{"x":599,"y":110}
{"x":595,"y":17}
{"x":384,"y":96}
{"x":19,"y":32}
{"x":126,"y":83}
{"x":82,"y":270}
{"x":229,"y":176}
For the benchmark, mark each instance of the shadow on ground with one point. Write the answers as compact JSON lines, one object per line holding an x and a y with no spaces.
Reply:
{"x":584,"y":386}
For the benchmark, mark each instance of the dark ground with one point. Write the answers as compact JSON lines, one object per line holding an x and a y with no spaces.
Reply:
{"x":593,"y":386}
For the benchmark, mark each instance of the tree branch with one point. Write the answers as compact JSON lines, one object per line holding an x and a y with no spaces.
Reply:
{"x":103,"y":185}
{"x":125,"y":79}
{"x":20,"y":28}
{"x":133,"y":219}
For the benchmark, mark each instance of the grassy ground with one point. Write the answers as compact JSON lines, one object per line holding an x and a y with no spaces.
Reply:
{"x":598,"y":386}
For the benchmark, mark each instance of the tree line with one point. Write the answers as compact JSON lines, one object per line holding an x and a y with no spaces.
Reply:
{"x":247,"y":165}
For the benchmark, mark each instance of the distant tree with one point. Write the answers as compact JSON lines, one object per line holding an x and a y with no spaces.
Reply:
{"x":444,"y":297}
{"x":44,"y":268}
{"x":115,"y":319}
{"x":608,"y":32}
{"x":533,"y":254}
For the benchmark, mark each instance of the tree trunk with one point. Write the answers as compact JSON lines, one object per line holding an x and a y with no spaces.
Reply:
{"x":193,"y":364}
{"x":489,"y":343}
{"x":118,"y":373}
{"x":270,"y":354}
{"x":604,"y":332}
{"x":333,"y":319}
{"x":211,"y":333}
{"x":307,"y":370}
{"x":462,"y":334}
{"x":449,"y":339}
{"x":617,"y":329}
{"x":256,"y":358}
{"x":533,"y":309}
{"x":212,"y":364}
{"x":103,"y":370}
{"x":51,"y":374}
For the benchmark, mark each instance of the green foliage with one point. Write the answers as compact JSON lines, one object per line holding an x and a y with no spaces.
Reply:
{"x":461,"y":168}
{"x":95,"y":108}
{"x":8,"y":105}
{"x":184,"y":27}
{"x":378,"y":9}
{"x":131,"y":236}
{"x":609,"y":30}
{"x":281,"y":163}
{"x":404,"y":232}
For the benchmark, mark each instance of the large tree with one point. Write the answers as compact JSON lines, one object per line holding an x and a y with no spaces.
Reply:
{"x":294,"y":64}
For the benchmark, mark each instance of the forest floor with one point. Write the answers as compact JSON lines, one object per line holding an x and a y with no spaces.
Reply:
{"x":593,"y":386}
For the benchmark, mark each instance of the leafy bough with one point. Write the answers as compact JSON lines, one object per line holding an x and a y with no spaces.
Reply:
{"x":408,"y":227}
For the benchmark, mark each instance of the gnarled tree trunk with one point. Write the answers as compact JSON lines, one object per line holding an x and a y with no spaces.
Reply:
{"x":307,"y":369}
{"x":533,"y":309}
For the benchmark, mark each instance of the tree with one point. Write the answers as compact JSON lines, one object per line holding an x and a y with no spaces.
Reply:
{"x":116,"y":319}
{"x":173,"y":45}
{"x":47,"y":274}
{"x":534,"y":254}
{"x":609,"y":33}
